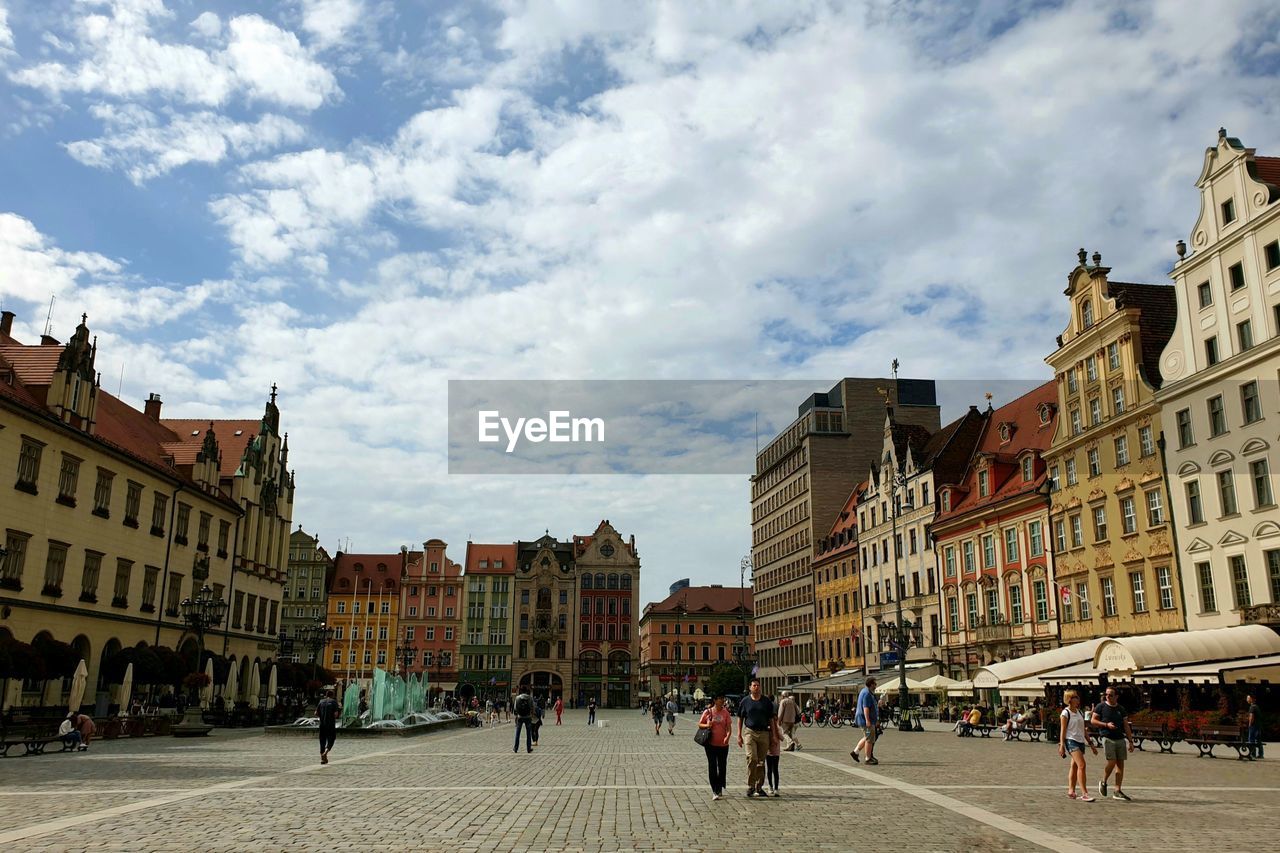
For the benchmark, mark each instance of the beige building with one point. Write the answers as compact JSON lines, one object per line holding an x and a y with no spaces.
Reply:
{"x":802,"y":481}
{"x":896,"y":554}
{"x":1220,"y":400}
{"x":306,"y":590}
{"x":116,"y":516}
{"x":1110,"y":513}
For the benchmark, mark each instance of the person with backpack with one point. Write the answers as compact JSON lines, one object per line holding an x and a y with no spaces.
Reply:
{"x":523,"y":707}
{"x":655,"y":708}
{"x":538,"y":712}
{"x":328,"y":712}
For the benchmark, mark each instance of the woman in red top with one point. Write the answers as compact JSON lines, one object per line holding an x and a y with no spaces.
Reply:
{"x":718,"y":720}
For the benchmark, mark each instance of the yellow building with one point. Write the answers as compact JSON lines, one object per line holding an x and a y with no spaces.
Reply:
{"x":1113,"y":555}
{"x":837,"y":591}
{"x":116,"y":516}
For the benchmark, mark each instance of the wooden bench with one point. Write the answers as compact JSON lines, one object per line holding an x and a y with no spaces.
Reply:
{"x":983,"y":729}
{"x":33,"y":744}
{"x":1033,"y":732}
{"x":1230,"y":736}
{"x":1156,"y":734}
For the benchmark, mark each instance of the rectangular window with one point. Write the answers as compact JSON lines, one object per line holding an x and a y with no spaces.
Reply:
{"x":29,"y":464}
{"x":150,"y":580}
{"x":1028,"y":469}
{"x":1250,"y":403}
{"x":54,"y":568}
{"x":1076,"y":423}
{"x":1244,"y":335}
{"x":1206,"y":294}
{"x":1065,"y":608}
{"x":1195,"y":511}
{"x":1138,"y":587}
{"x":1117,"y":399}
{"x":1261,"y":474}
{"x":1072,"y":479}
{"x":1015,"y":604}
{"x":1099,"y":524}
{"x":1146,"y":441}
{"x":1240,"y":581}
{"x":1077,"y":532}
{"x":1060,"y":533}
{"x":174,"y":598}
{"x":1122,"y":450}
{"x":202,"y":535}
{"x":1236,"y":273}
{"x":158,"y":507}
{"x":1113,"y":355}
{"x":1035,"y":535}
{"x":988,"y":551}
{"x":1041,"y":592}
{"x":1164,"y":580}
{"x":68,"y":477}
{"x":1073,"y":383}
{"x":1227,"y":493}
{"x":1271,"y":253}
{"x":984,"y":480}
{"x":1217,"y":416}
{"x":1208,"y":599}
{"x":1091,"y":368}
{"x":993,"y":606}
{"x":1272,"y":558}
{"x":1185,"y":436}
{"x":1095,"y":462}
{"x":950,"y":558}
{"x":184,"y":521}
{"x":1011,"y":545}
{"x":1211,"y":350}
{"x":969,"y":563}
{"x":1082,"y":596}
{"x":1155,"y":508}
{"x":971,"y":605}
{"x":224,"y":533}
{"x":1229,"y":211}
{"x":120,"y":595}
{"x":1095,"y":411}
{"x":1128,"y":515}
{"x":102,"y":493}
{"x":1108,"y":597}
{"x":89,"y":580}
{"x":342,"y":607}
{"x":953,"y":614}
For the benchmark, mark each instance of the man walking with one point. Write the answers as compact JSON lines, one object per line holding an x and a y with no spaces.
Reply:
{"x":867,"y":715}
{"x":328,"y":711}
{"x":1113,"y":722}
{"x":671,"y":716}
{"x":756,"y":713}
{"x":591,"y":711}
{"x":788,"y":715}
{"x":524,"y":720}
{"x":1255,"y":728}
{"x":559,"y":709}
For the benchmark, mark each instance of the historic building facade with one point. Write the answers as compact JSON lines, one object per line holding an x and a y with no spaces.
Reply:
{"x":116,"y":516}
{"x":431,"y":602}
{"x":992,"y":539}
{"x":608,"y":572}
{"x":485,"y":650}
{"x":689,"y":633}
{"x":802,"y":480}
{"x":1220,"y":396}
{"x":837,"y":592}
{"x":897,"y":566}
{"x":306,"y":591}
{"x":545,"y":590}
{"x":364,"y":612}
{"x":1113,"y":550}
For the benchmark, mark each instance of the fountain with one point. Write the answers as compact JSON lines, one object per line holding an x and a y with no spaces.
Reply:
{"x":395,"y":706}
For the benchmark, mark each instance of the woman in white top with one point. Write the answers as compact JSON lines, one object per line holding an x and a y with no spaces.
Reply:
{"x":1072,"y":740}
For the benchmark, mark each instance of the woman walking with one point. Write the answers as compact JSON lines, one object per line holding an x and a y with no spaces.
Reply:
{"x":718,"y":720}
{"x":1071,"y":743}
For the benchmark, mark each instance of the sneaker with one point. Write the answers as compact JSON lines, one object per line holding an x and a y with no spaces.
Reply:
{"x":854,"y":756}
{"x":1085,"y":798}
{"x":760,"y":792}
{"x":1102,"y":787}
{"x":774,"y":793}
{"x":872,"y":761}
{"x":716,"y":797}
{"x":1120,"y":795}
{"x":324,"y":759}
{"x":751,"y":792}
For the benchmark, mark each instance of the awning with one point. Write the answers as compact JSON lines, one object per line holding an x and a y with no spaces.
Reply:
{"x":960,"y":688}
{"x":1130,"y":654}
{"x":446,"y":685}
{"x":1019,"y":668}
{"x":845,"y":679}
{"x":1080,"y":673}
{"x":1247,"y":671}
{"x":1023,"y":687}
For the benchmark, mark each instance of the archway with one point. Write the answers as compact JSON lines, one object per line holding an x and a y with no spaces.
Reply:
{"x":542,"y":685}
{"x":466,"y":690}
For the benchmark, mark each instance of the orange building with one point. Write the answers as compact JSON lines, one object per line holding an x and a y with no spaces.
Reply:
{"x":431,"y":615}
{"x":837,"y":592}
{"x":364,"y":609}
{"x":687,"y":634}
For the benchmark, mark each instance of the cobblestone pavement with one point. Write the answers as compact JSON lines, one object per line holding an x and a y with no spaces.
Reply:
{"x":615,"y":788}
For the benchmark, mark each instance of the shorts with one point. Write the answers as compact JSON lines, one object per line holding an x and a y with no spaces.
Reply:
{"x":671,"y":718}
{"x":1115,"y":749}
{"x":869,"y":732}
{"x":1075,"y":746}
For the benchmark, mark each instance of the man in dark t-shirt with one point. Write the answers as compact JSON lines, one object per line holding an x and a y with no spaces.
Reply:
{"x":756,"y":713}
{"x":1112,"y":722}
{"x":328,"y":712}
{"x":1254,"y":738}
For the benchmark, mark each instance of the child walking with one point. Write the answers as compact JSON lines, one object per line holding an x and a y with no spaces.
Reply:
{"x":774,"y":757}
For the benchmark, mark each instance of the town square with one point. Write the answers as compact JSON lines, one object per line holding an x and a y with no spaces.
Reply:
{"x":573,"y":425}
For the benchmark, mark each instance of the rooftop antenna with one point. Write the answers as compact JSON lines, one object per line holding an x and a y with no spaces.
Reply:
{"x":120,"y":389}
{"x":48,"y":320}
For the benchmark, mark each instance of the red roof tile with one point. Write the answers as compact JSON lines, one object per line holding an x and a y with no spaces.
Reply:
{"x":34,"y":364}
{"x":359,"y":573}
{"x":1268,"y":169}
{"x":477,"y":551}
{"x":188,"y":436}
{"x":722,"y":600}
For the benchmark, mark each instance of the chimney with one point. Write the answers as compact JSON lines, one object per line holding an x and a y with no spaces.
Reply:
{"x":6,"y":323}
{"x":152,"y":408}
{"x":49,"y":341}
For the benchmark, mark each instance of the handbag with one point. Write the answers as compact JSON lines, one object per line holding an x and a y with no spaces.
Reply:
{"x":702,"y":737}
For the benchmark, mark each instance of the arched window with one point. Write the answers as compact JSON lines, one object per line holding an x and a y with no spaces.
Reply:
{"x":626,"y":581}
{"x":1086,"y":314}
{"x":586,"y":581}
{"x":600,"y":581}
{"x":619,"y":663}
{"x":613,"y":581}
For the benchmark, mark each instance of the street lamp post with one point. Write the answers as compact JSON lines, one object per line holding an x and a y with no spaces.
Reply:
{"x":405,"y":654}
{"x":316,"y":638}
{"x":744,"y":566}
{"x":200,"y":613}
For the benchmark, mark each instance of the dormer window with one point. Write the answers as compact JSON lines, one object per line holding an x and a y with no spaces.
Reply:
{"x":984,"y":482}
{"x":1028,"y":469}
{"x":1229,"y":211}
{"x":1086,"y":314}
{"x":1045,"y":414}
{"x":946,"y":500}
{"x":1004,"y":433}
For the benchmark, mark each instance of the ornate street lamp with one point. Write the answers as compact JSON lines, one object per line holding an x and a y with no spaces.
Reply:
{"x":405,"y":653}
{"x":200,"y":613}
{"x":315,"y":638}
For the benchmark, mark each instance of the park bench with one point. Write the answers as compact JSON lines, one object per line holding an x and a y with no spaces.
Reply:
{"x":33,"y":741}
{"x":982,"y":729}
{"x":1156,"y":734}
{"x":1033,"y":732}
{"x":1231,"y":736}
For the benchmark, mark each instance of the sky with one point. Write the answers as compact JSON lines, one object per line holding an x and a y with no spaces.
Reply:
{"x":361,"y":200}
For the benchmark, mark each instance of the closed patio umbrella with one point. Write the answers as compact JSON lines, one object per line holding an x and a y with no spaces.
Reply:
{"x":206,"y":692}
{"x":77,"y":686}
{"x":232,"y":688}
{"x":255,"y":685}
{"x":126,"y":689}
{"x":273,"y":685}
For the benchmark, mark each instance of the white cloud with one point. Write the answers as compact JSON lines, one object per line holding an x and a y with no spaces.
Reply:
{"x":6,"y":34}
{"x":138,"y":143}
{"x":328,"y":21}
{"x":119,"y":56}
{"x":207,"y":24}
{"x":35,"y":268}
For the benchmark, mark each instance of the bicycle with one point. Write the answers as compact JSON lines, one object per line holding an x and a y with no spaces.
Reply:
{"x":806,"y":719}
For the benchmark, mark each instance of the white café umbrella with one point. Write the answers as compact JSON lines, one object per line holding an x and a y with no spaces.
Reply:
{"x":937,"y":683}
{"x":699,"y":695}
{"x":206,"y":692}
{"x":273,"y":685}
{"x":126,"y":689}
{"x":255,"y":685}
{"x":232,"y":688}
{"x":77,"y":686}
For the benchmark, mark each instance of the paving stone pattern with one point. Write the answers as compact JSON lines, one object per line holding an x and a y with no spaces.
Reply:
{"x":615,"y":788}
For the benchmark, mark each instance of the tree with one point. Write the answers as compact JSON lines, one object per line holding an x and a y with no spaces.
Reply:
{"x":725,"y":678}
